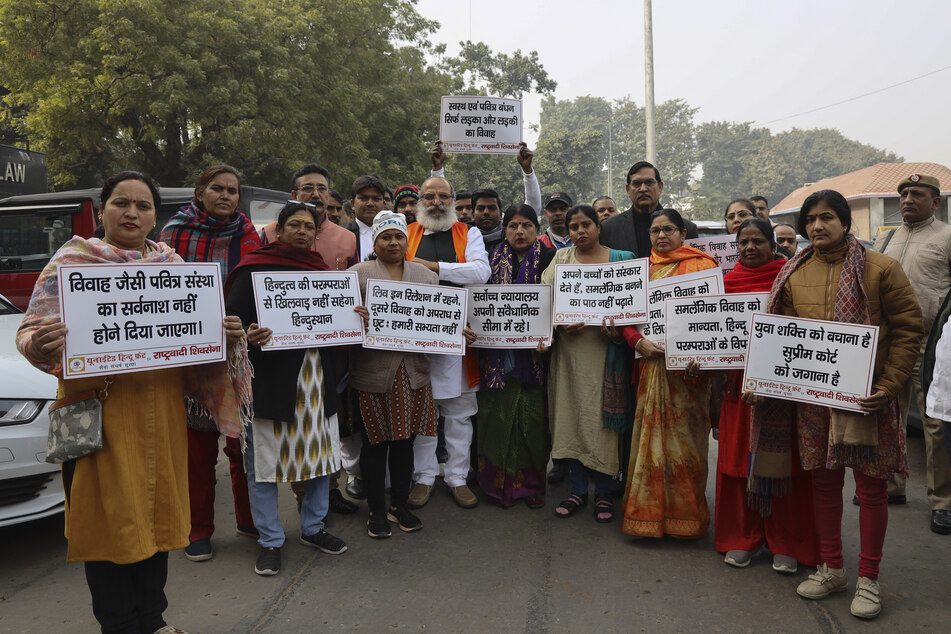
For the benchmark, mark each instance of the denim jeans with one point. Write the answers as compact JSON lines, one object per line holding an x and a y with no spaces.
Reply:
{"x":578,"y":476}
{"x":263,"y":497}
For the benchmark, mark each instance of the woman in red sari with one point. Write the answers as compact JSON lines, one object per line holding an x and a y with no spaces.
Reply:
{"x":668,"y":467}
{"x":789,"y":531}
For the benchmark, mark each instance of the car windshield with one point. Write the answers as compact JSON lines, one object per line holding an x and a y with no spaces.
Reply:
{"x":6,"y":308}
{"x":27,"y":241}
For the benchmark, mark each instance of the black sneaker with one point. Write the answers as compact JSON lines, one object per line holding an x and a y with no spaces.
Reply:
{"x":340,"y":504}
{"x":407,"y":522}
{"x":198,"y":550}
{"x":378,"y":527}
{"x":269,"y":561}
{"x":325,"y":542}
{"x":559,"y":471}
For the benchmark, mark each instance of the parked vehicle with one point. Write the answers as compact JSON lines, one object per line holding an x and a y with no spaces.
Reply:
{"x":33,"y":227}
{"x":30,"y":487}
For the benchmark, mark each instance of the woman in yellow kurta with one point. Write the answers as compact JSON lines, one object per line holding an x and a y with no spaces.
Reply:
{"x":126,"y":503}
{"x":668,"y":467}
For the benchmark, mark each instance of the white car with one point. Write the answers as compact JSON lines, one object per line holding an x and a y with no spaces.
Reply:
{"x":30,"y":487}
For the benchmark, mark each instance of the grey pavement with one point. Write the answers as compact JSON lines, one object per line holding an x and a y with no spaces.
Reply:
{"x":492,"y":570}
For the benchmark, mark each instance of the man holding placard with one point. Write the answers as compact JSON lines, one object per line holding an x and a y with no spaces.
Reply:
{"x":456,"y":253}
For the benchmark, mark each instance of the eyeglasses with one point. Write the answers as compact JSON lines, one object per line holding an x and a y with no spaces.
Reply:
{"x":739,"y":215}
{"x":668,"y":230}
{"x":431,"y":197}
{"x":309,"y":189}
{"x":650,"y":182}
{"x":305,"y":204}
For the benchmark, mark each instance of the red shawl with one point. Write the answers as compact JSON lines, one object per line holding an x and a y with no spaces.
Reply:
{"x":281,"y":255}
{"x":759,"y":280}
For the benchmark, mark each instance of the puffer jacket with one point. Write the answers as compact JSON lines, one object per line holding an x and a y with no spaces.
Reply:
{"x":924,"y":251}
{"x":810,"y":292}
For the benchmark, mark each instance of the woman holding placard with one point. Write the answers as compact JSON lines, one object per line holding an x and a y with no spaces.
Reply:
{"x":127,"y":502}
{"x":211,"y":228}
{"x":836,"y":279}
{"x":294,"y":435}
{"x":789,"y":532}
{"x":396,"y":398}
{"x":587,"y":383}
{"x":668,"y":468}
{"x":513,"y":419}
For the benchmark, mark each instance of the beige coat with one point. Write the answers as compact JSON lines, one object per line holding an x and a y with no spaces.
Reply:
{"x":810,"y":292}
{"x":375,"y":370}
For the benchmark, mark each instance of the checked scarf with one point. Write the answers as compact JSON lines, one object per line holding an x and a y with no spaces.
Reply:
{"x":522,"y":364}
{"x":198,"y":237}
{"x":853,"y":438}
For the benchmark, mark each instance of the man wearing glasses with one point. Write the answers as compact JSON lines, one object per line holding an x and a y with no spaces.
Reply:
{"x":629,"y":231}
{"x":336,"y":245}
{"x":456,"y":253}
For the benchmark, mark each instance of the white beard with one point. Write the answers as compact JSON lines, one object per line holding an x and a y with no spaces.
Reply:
{"x":435,"y":222}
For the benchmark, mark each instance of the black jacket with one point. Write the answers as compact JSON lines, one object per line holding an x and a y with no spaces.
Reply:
{"x":628,"y":231}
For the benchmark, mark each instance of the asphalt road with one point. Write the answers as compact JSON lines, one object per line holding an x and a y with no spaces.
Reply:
{"x":492,"y":570}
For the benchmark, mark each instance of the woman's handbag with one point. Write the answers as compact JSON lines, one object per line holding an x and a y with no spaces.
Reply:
{"x":76,"y":424}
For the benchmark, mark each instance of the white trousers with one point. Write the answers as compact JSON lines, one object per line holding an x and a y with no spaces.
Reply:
{"x":350,"y":454}
{"x":457,"y":413}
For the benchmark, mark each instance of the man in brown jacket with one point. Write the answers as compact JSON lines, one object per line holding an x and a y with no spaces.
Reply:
{"x":922,"y":244}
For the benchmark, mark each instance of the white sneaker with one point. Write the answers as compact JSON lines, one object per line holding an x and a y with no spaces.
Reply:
{"x":867,"y":603}
{"x":823,"y":582}
{"x":785,"y":564}
{"x":738,"y":558}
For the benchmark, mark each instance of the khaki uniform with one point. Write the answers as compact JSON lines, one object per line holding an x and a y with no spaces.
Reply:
{"x":924,"y":251}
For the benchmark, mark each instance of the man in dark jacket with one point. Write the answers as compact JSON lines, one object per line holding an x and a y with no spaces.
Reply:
{"x":487,"y":212}
{"x":630,"y":231}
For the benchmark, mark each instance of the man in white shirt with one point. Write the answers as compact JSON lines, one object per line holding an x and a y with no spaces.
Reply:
{"x":437,"y":240}
{"x":367,"y":201}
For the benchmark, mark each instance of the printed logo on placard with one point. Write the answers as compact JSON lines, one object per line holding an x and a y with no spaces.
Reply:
{"x":559,"y":316}
{"x":370,"y":339}
{"x":77,"y":364}
{"x":751,"y":384}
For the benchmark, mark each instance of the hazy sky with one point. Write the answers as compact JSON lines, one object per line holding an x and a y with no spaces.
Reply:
{"x":740,"y":60}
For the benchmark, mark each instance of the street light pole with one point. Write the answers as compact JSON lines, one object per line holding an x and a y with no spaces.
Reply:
{"x":649,"y":81}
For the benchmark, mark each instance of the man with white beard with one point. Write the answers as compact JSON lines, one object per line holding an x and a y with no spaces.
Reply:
{"x":456,"y":253}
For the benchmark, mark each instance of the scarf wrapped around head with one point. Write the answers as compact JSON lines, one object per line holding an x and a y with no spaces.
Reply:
{"x":197,"y":237}
{"x":853,"y":438}
{"x":526,"y":367}
{"x":221,"y":391}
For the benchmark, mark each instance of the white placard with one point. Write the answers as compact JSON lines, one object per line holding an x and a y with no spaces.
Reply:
{"x":699,"y":284}
{"x":721,"y":248}
{"x":712,"y":330}
{"x":510,"y":315}
{"x":306,"y":309}
{"x":480,"y":125}
{"x":591,"y":293}
{"x":416,"y":317}
{"x":809,"y":360}
{"x":134,"y":317}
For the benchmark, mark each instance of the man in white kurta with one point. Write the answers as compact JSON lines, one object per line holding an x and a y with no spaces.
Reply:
{"x":435,"y":243}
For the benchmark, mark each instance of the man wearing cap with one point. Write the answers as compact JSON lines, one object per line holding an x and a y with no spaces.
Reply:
{"x":630,"y":230}
{"x":556,"y":236}
{"x":336,"y":245}
{"x":405,"y":199}
{"x":922,"y":244}
{"x":456,"y":253}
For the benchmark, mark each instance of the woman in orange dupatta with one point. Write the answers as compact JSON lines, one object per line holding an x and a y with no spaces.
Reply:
{"x":668,"y":467}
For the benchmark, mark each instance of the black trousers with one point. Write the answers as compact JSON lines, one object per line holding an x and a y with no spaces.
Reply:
{"x":373,"y":470}
{"x":129,"y":598}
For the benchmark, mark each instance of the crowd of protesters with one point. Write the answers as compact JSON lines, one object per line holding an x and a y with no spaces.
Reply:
{"x":496,"y":419}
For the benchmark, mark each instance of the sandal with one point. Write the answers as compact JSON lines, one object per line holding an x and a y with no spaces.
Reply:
{"x":571,"y":506}
{"x":535,"y":501}
{"x":603,"y":509}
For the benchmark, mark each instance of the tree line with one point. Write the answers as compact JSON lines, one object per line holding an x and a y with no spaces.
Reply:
{"x":172,"y":87}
